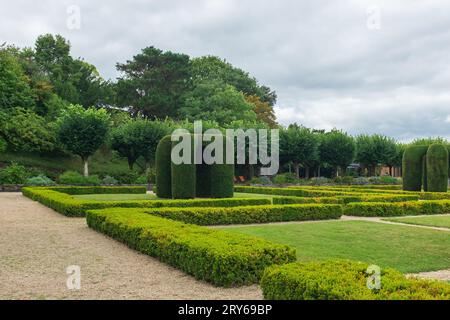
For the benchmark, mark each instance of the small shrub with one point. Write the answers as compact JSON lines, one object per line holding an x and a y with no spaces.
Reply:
{"x":344,"y":280}
{"x":40,"y":180}
{"x":319,"y":181}
{"x":110,"y":181}
{"x":75,"y":178}
{"x":284,"y":178}
{"x":344,"y":180}
{"x":142,"y":180}
{"x":14,"y":174}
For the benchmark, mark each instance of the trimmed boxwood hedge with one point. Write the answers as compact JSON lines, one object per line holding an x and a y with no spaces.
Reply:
{"x":164,"y":168}
{"x":346,"y":199}
{"x":412,"y":167}
{"x":220,"y":257}
{"x":72,"y":190}
{"x":69,"y":206}
{"x":250,"y":214}
{"x":386,"y":209}
{"x":344,"y":280}
{"x":437,"y":168}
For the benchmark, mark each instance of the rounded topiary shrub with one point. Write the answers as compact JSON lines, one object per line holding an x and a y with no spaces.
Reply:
{"x":164,"y":168}
{"x":437,"y":168}
{"x":412,"y":167}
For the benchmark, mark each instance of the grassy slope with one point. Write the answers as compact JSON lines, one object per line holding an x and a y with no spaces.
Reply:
{"x":102,"y":161}
{"x":110,"y":197}
{"x":434,"y":221}
{"x":405,"y":248}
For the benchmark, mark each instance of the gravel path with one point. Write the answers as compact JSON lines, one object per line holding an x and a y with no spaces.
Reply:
{"x":38,"y":244}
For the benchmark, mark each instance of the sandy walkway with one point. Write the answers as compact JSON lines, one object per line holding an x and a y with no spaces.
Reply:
{"x":38,"y":244}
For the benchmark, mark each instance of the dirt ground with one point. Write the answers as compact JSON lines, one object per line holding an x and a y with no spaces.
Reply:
{"x":38,"y":244}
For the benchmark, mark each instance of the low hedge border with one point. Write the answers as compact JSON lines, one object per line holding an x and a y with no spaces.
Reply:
{"x":386,"y":209}
{"x":220,"y":257}
{"x":251,"y":214}
{"x":345,"y":199}
{"x":344,"y":280}
{"x":71,"y":207}
{"x":77,"y":190}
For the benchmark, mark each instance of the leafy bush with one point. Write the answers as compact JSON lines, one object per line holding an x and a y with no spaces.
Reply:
{"x":220,"y":257}
{"x":108,"y":180}
{"x":344,"y":180}
{"x":14,"y":174}
{"x":251,"y":214}
{"x":40,"y":180}
{"x":319,"y":181}
{"x":75,"y":178}
{"x":59,"y":199}
{"x":344,"y":280}
{"x":163,"y":168}
{"x":3,"y":145}
{"x":283,"y":178}
{"x":142,"y":180}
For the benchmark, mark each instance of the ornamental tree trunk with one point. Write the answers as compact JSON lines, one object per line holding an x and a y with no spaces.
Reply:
{"x":297,"y":170}
{"x":86,"y":167}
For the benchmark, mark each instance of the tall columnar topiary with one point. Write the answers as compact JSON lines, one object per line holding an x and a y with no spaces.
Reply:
{"x":412,"y":167}
{"x":184,"y":178}
{"x":424,"y":173}
{"x":437,"y":168}
{"x":184,"y":181}
{"x":164,"y":168}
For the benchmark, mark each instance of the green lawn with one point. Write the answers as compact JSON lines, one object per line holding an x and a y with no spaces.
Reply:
{"x":407,"y":249}
{"x":121,"y":197}
{"x":433,"y":221}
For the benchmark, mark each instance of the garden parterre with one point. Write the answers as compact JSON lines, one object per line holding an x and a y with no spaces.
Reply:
{"x":171,"y":229}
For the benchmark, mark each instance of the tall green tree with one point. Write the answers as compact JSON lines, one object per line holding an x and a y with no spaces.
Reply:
{"x":139,"y":138}
{"x":218,"y":102}
{"x":14,"y":84}
{"x":211,"y":68}
{"x":154,"y":83}
{"x":337,"y":149}
{"x":299,"y":146}
{"x":82,"y":131}
{"x":375,"y":150}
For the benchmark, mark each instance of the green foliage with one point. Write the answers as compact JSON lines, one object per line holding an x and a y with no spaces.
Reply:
{"x":75,"y":178}
{"x":251,"y":214}
{"x":375,"y":150}
{"x":14,"y":88}
{"x":139,"y":138}
{"x":298,"y":200}
{"x":40,"y":180}
{"x":437,"y":168}
{"x":59,"y":199}
{"x":3,"y":145}
{"x":108,"y":180}
{"x":298,"y":145}
{"x":283,"y":178}
{"x":14,"y":174}
{"x":211,"y":68}
{"x":163,"y":168}
{"x":219,"y":257}
{"x":336,"y":149}
{"x":82,"y":131}
{"x":410,"y":208}
{"x":154,"y":83}
{"x":183,"y":179}
{"x":216,"y":101}
{"x":412,"y":167}
{"x":25,"y":130}
{"x":345,"y":280}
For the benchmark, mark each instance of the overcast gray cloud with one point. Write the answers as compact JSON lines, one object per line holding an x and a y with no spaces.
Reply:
{"x":328,"y":68}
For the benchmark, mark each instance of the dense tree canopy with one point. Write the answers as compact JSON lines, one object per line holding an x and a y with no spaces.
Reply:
{"x":298,"y":145}
{"x":336,"y":149}
{"x":83,"y":131}
{"x":375,"y":150}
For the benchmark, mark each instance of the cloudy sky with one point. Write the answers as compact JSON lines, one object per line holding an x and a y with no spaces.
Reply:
{"x":362,"y":66}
